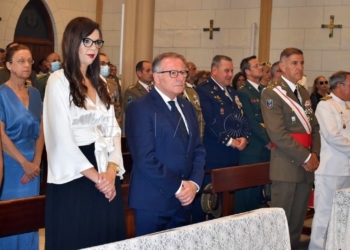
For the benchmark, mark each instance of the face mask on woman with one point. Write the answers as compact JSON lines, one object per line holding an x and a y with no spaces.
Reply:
{"x":55,"y":66}
{"x":104,"y":70}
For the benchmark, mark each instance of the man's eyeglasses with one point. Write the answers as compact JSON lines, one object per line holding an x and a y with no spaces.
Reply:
{"x":88,"y":43}
{"x":22,"y":61}
{"x":175,"y":73}
{"x":256,"y":66}
{"x":325,"y":82}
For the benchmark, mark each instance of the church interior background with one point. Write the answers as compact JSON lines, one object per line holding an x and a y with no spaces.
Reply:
{"x":178,"y":26}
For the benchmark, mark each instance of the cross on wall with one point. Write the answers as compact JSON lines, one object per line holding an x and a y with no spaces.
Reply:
{"x":331,"y":26}
{"x":211,"y":29}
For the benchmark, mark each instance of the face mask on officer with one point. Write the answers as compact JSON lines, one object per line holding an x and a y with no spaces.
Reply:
{"x":104,"y":70}
{"x":55,"y":66}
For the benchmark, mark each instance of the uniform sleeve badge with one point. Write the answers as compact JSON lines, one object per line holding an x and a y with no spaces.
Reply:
{"x":129,"y":98}
{"x":269,"y":103}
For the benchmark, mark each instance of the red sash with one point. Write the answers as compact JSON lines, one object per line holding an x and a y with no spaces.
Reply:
{"x":304,"y":139}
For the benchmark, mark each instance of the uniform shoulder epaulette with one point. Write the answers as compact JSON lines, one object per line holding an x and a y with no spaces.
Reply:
{"x":271,"y":85}
{"x":241,"y":87}
{"x":301,"y":86}
{"x":131,"y":87}
{"x":326,"y":98}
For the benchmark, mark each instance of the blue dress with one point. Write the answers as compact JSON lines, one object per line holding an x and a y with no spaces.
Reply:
{"x":22,"y":127}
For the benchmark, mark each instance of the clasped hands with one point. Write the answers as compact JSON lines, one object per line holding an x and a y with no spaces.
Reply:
{"x":239,"y":143}
{"x":187,"y":193}
{"x":31,"y":170}
{"x":312,"y":164}
{"x":106,"y":184}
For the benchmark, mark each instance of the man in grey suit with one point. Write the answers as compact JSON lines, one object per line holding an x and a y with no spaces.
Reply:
{"x":142,"y":86}
{"x":294,"y":132}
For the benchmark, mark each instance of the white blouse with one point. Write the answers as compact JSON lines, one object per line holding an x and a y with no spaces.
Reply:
{"x":66,"y":127}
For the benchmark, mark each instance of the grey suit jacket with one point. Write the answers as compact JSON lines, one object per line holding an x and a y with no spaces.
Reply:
{"x":280,"y":121}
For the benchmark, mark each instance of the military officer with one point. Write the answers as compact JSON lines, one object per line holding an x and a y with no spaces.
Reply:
{"x":333,"y":114}
{"x":53,"y":63}
{"x":192,"y":96}
{"x":258,"y":150}
{"x":142,"y":86}
{"x":294,"y":131}
{"x":114,"y":87}
{"x":226,"y":129}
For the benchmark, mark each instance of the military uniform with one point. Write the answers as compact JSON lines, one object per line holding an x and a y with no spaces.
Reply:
{"x":224,"y":119}
{"x":256,"y":150}
{"x":132,"y":93}
{"x":191,"y":95}
{"x":115,"y":91}
{"x":40,"y":84}
{"x":291,"y":183}
{"x":333,"y":173}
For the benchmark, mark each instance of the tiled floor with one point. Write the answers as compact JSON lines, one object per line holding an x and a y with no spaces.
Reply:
{"x":41,"y":239}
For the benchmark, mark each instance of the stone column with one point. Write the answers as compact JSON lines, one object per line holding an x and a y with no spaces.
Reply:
{"x":265,"y":30}
{"x":138,"y":37}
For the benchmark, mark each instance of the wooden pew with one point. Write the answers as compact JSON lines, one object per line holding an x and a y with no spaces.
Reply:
{"x":22,"y":215}
{"x":227,"y":180}
{"x":28,"y":214}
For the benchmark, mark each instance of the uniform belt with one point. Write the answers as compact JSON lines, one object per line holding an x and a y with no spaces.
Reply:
{"x":304,"y":139}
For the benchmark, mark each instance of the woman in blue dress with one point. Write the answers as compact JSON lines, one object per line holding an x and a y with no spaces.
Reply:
{"x":22,"y":138}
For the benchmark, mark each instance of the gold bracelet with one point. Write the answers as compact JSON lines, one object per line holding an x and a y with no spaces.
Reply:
{"x":114,"y":166}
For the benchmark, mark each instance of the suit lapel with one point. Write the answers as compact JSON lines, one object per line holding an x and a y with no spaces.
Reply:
{"x":217,"y":91}
{"x":188,"y":117}
{"x":290,"y":93}
{"x":253,"y":90}
{"x":304,"y":94}
{"x":163,"y":108}
{"x":142,"y":90}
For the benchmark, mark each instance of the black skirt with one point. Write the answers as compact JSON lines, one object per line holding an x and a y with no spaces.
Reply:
{"x":79,"y":216}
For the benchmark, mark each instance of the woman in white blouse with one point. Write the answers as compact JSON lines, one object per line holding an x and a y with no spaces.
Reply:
{"x":84,"y":204}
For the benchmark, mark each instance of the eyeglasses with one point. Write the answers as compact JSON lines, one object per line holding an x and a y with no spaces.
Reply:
{"x":88,"y":43}
{"x":325,"y":82}
{"x":175,"y":73}
{"x":256,"y":66}
{"x":22,"y":61}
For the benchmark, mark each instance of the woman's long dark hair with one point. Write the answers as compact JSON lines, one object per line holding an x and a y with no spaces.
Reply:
{"x":76,"y":30}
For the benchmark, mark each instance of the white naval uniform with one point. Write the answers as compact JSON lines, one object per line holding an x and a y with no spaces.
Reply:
{"x":333,"y":173}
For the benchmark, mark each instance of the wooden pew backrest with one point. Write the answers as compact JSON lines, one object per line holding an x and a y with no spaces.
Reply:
{"x":233,"y":178}
{"x":22,"y":215}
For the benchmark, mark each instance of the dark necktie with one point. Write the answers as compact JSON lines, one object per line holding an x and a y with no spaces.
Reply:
{"x":260,"y":88}
{"x":180,"y":122}
{"x":297,"y":94}
{"x":149,"y":88}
